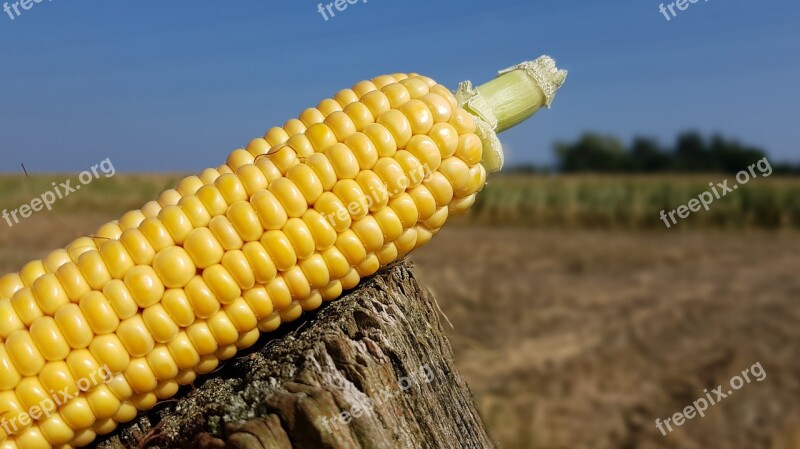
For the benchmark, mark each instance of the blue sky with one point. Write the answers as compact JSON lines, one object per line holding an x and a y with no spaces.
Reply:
{"x":174,"y":86}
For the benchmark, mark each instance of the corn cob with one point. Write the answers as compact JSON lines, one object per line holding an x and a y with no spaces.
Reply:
{"x":294,"y":219}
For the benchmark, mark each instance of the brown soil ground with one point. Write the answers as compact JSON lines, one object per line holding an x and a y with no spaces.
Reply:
{"x":582,"y":339}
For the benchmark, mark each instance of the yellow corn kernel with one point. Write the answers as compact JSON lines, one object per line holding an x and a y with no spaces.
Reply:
{"x":186,"y":377}
{"x":336,"y":261}
{"x":312,"y":302}
{"x":391,"y":173}
{"x":424,"y":236}
{"x":202,"y":339}
{"x":151,"y":209}
{"x":131,"y":219}
{"x":259,"y":302}
{"x":360,"y":115}
{"x":225,"y":233}
{"x":9,"y":375}
{"x":324,"y":170}
{"x":32,"y":438}
{"x":419,"y":116}
{"x":183,"y":352}
{"x":169,"y":197}
{"x":194,"y":209}
{"x":202,"y":299}
{"x":279,"y":293}
{"x":413,"y":170}
{"x":341,"y":125}
{"x":252,"y":179}
{"x":424,"y":201}
{"x":82,"y":438}
{"x":162,"y":363}
{"x":460,"y":205}
{"x":204,"y":249}
{"x":290,"y":197}
{"x":93,"y":269}
{"x":470,"y":149}
{"x":49,"y":339}
{"x":300,"y":237}
{"x":208,"y":363}
{"x":49,"y":293}
{"x":258,"y":146}
{"x":299,"y":287}
{"x":438,"y":219}
{"x":212,"y":200}
{"x":177,"y":305}
{"x":80,"y":246}
{"x":9,"y":320}
{"x":269,"y":209}
{"x":369,"y":266}
{"x":221,"y":283}
{"x":135,"y":336}
{"x":440,"y":188}
{"x":457,"y":172}
{"x":72,"y":280}
{"x":280,"y":249}
{"x":307,"y":181}
{"x":140,"y":376}
{"x":99,"y":313}
{"x":301,"y":144}
{"x":231,"y":188}
{"x":462,"y":121}
{"x":223,"y":329}
{"x":238,"y":158}
{"x":120,"y":387}
{"x":161,"y":326}
{"x":177,"y":222}
{"x":144,"y":285}
{"x":108,"y":231}
{"x":363,"y":87}
{"x":156,"y":233}
{"x":10,"y":284}
{"x":102,"y":402}
{"x":83,"y":367}
{"x":117,"y":259}
{"x":387,"y":254}
{"x":389,"y":224}
{"x":331,"y":291}
{"x":25,"y":306}
{"x":333,"y":209}
{"x":78,"y":414}
{"x":55,"y":259}
{"x":291,"y":313}
{"x":403,"y":205}
{"x":264,"y":268}
{"x":351,"y":247}
{"x":397,"y":124}
{"x":270,"y":323}
{"x":109,"y":350}
{"x":248,"y":339}
{"x":126,"y":413}
{"x":241,"y":316}
{"x":426,"y":151}
{"x":284,"y":159}
{"x":55,"y":430}
{"x":24,"y":353}
{"x":328,"y":106}
{"x":276,"y":136}
{"x":369,"y":232}
{"x":351,"y":279}
{"x":294,"y":126}
{"x":166,"y":389}
{"x":344,"y":161}
{"x":174,"y":267}
{"x":209,"y":175}
{"x":315,"y":271}
{"x":350,"y":194}
{"x":321,"y":231}
{"x":321,"y":137}
{"x":138,"y":247}
{"x":345,"y":96}
{"x":244,"y":219}
{"x":235,"y":262}
{"x":74,"y":327}
{"x":120,"y":298}
{"x":311,"y":116}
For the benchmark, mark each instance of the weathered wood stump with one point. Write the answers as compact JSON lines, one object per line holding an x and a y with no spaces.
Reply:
{"x":370,"y":370}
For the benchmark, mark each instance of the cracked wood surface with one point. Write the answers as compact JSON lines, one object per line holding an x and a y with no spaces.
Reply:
{"x":370,"y":370}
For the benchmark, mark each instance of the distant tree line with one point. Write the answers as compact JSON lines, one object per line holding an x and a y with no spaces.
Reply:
{"x":691,"y":152}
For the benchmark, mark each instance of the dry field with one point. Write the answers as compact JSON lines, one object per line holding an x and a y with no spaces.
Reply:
{"x":579,"y":338}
